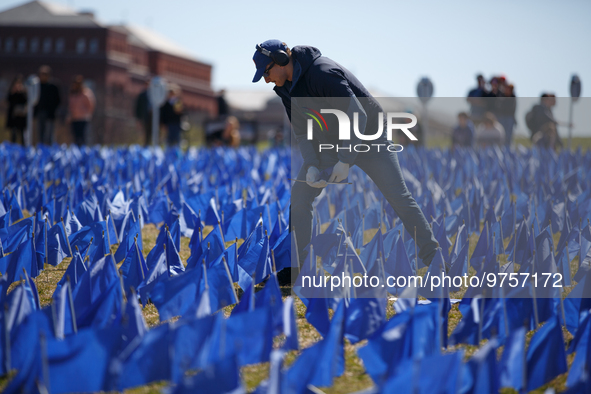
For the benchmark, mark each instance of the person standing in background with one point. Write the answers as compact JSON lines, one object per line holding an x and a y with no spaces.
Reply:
{"x":223,"y":109}
{"x":507,"y":107}
{"x":231,"y":133}
{"x":16,"y":115}
{"x":170,"y":115}
{"x":476,"y":100}
{"x":49,"y":100}
{"x":463,"y":133}
{"x":143,"y":113}
{"x":490,"y":132}
{"x":80,"y":108}
{"x":492,"y":97}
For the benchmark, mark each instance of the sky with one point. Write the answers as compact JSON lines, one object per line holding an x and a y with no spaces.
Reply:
{"x":389,"y":45}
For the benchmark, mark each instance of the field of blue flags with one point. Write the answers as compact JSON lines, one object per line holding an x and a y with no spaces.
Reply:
{"x":84,"y":213}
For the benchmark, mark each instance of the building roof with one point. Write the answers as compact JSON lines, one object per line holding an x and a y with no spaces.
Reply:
{"x":44,"y":14}
{"x":41,"y":13}
{"x":152,"y":40}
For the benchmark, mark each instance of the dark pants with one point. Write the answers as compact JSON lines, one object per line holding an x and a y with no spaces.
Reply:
{"x":147,"y":123}
{"x":78,"y":130}
{"x":17,"y":134}
{"x":384,"y":170}
{"x":46,"y":128}
{"x":508,"y":122}
{"x":174,"y":134}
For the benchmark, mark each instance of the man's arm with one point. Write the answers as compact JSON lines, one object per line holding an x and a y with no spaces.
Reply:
{"x":306,"y":146}
{"x":334,"y":84}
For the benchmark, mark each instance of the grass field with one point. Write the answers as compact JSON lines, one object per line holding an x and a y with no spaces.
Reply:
{"x":352,"y":380}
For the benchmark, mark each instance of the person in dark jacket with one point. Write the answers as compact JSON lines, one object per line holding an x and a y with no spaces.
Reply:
{"x":49,"y":100}
{"x":507,"y":108}
{"x":171,"y":115}
{"x":143,"y":113}
{"x":463,"y":133}
{"x":303,"y":72}
{"x":16,"y":116}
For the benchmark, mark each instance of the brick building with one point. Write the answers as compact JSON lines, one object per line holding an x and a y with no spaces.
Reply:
{"x":114,"y":60}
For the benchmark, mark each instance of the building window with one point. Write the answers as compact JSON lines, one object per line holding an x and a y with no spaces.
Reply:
{"x":8,"y":44}
{"x":93,"y":45}
{"x":34,"y":44}
{"x":46,"y":45}
{"x":22,"y":45}
{"x":60,"y":45}
{"x":81,"y":45}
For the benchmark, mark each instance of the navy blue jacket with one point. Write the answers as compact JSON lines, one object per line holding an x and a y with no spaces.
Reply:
{"x":316,"y":76}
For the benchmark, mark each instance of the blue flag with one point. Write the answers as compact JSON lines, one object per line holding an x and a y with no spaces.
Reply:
{"x":481,"y":370}
{"x":546,"y":357}
{"x":74,"y":272}
{"x":134,"y":269}
{"x":581,"y":344}
{"x":176,"y":295}
{"x":511,"y":366}
{"x":321,"y":363}
{"x":58,"y":246}
{"x":132,"y":230}
{"x":221,"y":376}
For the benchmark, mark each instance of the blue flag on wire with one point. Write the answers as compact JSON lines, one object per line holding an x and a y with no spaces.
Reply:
{"x":437,"y":373}
{"x":237,"y":226}
{"x":173,"y":259}
{"x":546,"y":357}
{"x":150,"y":361}
{"x":24,"y":257}
{"x":480,"y":250}
{"x":105,"y":311}
{"x":210,"y":248}
{"x":412,"y":334}
{"x":57,"y":245}
{"x":578,"y":302}
{"x":511,"y":365}
{"x":399,"y":265}
{"x":75,"y":270}
{"x":71,"y":222}
{"x":134,"y":269}
{"x":94,"y":282}
{"x":323,"y":361}
{"x":254,"y":328}
{"x":158,"y":272}
{"x":64,"y":320}
{"x":21,"y":303}
{"x":197,"y":332}
{"x":132,"y":230}
{"x":175,"y":296}
{"x":89,"y":353}
{"x":221,"y":376}
{"x":16,"y":235}
{"x":563,"y":265}
{"x":581,"y":344}
{"x":481,"y":370}
{"x":364,"y":317}
{"x":459,"y":265}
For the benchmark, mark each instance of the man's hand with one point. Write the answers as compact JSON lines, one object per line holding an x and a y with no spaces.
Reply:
{"x":340,"y":172}
{"x":313,"y":178}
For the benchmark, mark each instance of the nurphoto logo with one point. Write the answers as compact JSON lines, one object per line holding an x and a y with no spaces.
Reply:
{"x":345,"y":129}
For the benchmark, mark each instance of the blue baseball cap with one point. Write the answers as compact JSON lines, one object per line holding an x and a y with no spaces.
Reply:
{"x":261,"y":60}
